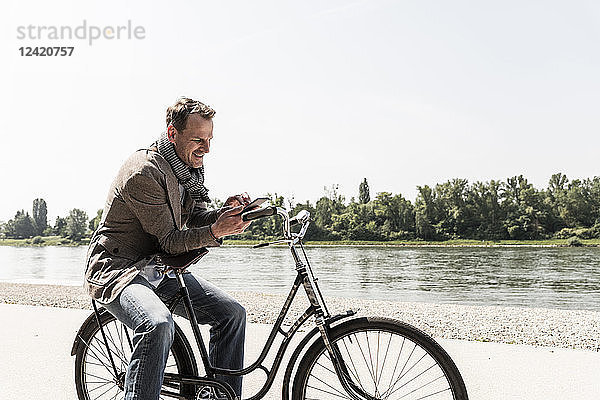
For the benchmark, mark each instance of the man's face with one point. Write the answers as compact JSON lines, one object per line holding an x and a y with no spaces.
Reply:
{"x":194,"y":141}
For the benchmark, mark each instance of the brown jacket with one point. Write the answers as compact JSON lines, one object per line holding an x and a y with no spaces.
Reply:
{"x":143,"y":216}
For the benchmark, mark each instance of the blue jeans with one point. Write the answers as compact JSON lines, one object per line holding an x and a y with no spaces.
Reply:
{"x":139,"y":307}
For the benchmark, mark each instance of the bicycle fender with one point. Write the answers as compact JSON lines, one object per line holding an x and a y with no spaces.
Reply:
{"x":90,"y":320}
{"x":285,"y":395}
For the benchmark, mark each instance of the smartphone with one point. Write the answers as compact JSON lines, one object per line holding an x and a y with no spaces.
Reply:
{"x":254,"y":204}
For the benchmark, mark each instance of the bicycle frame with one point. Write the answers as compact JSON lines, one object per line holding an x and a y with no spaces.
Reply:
{"x":317,"y":308}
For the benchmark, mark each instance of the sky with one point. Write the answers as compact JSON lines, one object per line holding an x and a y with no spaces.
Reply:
{"x":308,"y":94}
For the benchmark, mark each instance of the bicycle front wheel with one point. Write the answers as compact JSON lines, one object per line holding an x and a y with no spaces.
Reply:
{"x":383,"y":359}
{"x":95,"y":378}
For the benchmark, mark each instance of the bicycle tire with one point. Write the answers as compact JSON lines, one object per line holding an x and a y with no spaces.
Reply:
{"x":91,"y":360}
{"x":422,"y":368}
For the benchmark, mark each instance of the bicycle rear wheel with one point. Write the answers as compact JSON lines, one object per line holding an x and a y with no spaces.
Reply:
{"x":385,"y":359}
{"x":95,"y":377}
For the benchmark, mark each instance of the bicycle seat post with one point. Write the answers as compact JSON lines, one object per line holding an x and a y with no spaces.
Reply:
{"x":193,"y":321}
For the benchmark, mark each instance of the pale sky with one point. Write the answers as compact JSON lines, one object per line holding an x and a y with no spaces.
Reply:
{"x":307,"y":93}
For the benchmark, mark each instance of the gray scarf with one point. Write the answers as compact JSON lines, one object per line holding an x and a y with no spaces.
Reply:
{"x":192,"y":179}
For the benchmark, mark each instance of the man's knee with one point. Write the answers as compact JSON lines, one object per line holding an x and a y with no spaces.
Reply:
{"x":239,"y":313}
{"x":234,"y":314}
{"x":161,"y":326}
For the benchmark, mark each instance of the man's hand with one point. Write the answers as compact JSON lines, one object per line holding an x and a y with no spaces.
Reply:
{"x":229,"y":222}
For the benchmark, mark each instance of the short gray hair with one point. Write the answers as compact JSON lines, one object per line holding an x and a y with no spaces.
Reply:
{"x":178,"y":113}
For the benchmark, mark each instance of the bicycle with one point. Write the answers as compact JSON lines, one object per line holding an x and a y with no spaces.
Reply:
{"x":343,"y":356}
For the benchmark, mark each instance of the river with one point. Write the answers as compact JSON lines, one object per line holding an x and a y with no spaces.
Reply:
{"x":563,"y":278}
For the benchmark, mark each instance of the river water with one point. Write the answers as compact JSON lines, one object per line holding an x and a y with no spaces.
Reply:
{"x":564,"y":278}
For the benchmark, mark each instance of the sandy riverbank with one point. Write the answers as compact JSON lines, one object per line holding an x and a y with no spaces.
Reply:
{"x":533,"y":326}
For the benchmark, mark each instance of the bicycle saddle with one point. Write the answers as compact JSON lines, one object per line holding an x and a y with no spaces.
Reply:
{"x":183,"y":260}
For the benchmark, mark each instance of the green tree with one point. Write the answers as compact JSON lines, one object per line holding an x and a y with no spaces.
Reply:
{"x":327,"y":206}
{"x":578,"y":209}
{"x":40,"y":216}
{"x":556,"y":199}
{"x":76,"y":224}
{"x":95,"y":222}
{"x":524,"y":207}
{"x":363,"y":192}
{"x":425,"y":213}
{"x":60,"y":227}
{"x":8,"y":229}
{"x":357,"y":222}
{"x":395,"y":216}
{"x":454,"y":213}
{"x":23,"y":225}
{"x":488,"y":216}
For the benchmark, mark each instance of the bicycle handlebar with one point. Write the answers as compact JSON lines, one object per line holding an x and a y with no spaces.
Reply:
{"x":300,"y":218}
{"x":303,"y":218}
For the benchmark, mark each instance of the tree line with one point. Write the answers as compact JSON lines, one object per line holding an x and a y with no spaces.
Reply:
{"x":74,"y":226}
{"x":493,"y":210}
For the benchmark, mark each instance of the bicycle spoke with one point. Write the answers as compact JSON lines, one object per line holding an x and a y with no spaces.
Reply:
{"x":328,"y":385}
{"x":100,"y":386}
{"x":377,"y":366}
{"x":364,"y":358}
{"x":99,"y":377}
{"x":99,"y":346}
{"x":331,"y":393}
{"x":106,"y":391}
{"x":415,"y":377}
{"x":93,"y":363}
{"x":384,"y":358}
{"x":433,"y":394}
{"x":92,"y":347}
{"x":116,"y":348}
{"x":403,"y":367}
{"x":120,"y":355}
{"x":119,"y":332}
{"x":356,"y":374}
{"x":342,"y":361}
{"x":94,"y":355}
{"x":397,"y":361}
{"x":125,"y":332}
{"x":421,"y":387}
{"x":105,"y":365}
{"x":414,"y":365}
{"x":407,"y":371}
{"x":116,"y":395}
{"x":324,"y":367}
{"x":374,"y":375}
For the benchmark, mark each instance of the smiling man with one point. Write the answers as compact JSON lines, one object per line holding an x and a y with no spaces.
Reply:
{"x":157,"y":204}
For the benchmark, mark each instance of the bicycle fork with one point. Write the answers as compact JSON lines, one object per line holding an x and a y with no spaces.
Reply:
{"x":353,"y":390}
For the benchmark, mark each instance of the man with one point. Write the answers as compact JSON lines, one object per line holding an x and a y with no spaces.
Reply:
{"x":157,"y":204}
